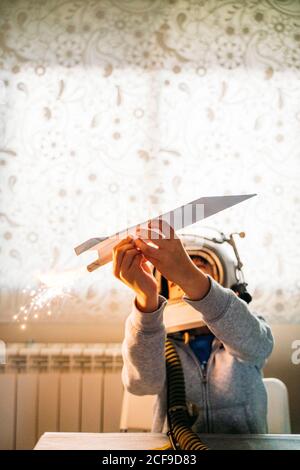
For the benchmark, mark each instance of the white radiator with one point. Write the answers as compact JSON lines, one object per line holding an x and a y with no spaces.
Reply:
{"x":58,"y":387}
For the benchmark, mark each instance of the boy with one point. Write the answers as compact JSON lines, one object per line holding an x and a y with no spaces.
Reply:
{"x":228,"y":395}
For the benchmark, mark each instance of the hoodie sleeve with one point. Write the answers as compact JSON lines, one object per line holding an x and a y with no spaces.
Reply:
{"x":143,"y":351}
{"x":245,"y":335}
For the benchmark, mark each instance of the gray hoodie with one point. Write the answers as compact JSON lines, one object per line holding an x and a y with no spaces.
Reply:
{"x":230,"y":397}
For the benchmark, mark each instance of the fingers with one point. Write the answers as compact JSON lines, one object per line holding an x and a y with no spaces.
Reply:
{"x":127,"y":261}
{"x":147,"y":232}
{"x":137,"y":260}
{"x":149,"y":235}
{"x":146,"y":265}
{"x":124,"y":241}
{"x":119,"y":252}
{"x":147,"y":250}
{"x":163,"y":227}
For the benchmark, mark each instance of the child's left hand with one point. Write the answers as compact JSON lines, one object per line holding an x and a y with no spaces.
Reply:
{"x":130,"y":266}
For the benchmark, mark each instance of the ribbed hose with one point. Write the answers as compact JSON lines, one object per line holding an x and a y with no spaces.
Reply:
{"x":180,"y":433}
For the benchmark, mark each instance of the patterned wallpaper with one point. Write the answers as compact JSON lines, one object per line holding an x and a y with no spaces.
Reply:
{"x":114,"y":109}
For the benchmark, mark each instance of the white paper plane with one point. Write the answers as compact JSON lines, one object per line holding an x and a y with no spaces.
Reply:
{"x":179,"y":218}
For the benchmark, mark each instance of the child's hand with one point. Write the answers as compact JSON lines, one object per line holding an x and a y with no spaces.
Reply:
{"x":131,"y":267}
{"x":172,"y":260}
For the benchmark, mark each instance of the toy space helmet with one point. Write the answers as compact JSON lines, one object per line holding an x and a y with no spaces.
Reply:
{"x":219,"y":253}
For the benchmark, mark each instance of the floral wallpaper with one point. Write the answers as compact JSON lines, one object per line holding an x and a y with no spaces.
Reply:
{"x":111,"y":110}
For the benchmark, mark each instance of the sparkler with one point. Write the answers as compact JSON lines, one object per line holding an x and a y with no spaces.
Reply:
{"x":53,"y":291}
{"x":41,"y":300}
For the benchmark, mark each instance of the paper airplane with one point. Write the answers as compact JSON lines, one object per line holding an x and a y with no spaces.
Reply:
{"x":179,"y":218}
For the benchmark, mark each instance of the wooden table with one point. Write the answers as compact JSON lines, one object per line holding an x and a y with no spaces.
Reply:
{"x":148,"y":441}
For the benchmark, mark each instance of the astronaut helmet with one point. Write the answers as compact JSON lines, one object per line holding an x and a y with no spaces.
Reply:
{"x":214,"y":253}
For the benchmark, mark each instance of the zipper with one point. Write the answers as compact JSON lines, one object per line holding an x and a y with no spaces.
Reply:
{"x":204,"y":372}
{"x":205,"y":375}
{"x":203,"y":367}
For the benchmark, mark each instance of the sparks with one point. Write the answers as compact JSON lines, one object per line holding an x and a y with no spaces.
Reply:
{"x":40,"y":299}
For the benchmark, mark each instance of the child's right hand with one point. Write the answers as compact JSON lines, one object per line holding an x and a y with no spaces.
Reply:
{"x":171,"y":259}
{"x":130,"y":266}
